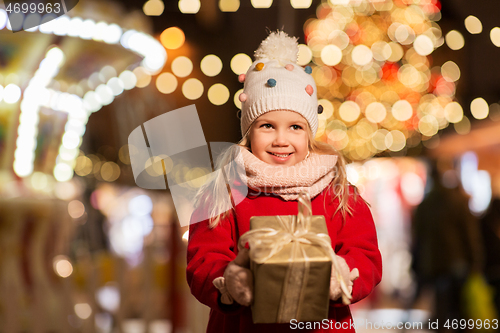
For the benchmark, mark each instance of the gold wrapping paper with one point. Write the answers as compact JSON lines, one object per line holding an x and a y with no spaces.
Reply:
{"x":286,"y":289}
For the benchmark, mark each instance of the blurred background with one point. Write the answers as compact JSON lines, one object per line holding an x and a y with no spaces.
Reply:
{"x":410,"y":96}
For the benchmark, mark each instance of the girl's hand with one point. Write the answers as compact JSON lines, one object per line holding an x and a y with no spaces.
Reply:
{"x":348,"y":276}
{"x":237,"y":283}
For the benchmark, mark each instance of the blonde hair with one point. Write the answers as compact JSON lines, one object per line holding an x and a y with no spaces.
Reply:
{"x":216,"y":197}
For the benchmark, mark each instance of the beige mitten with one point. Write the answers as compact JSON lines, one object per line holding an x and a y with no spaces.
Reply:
{"x":348,"y":276}
{"x":237,"y":283}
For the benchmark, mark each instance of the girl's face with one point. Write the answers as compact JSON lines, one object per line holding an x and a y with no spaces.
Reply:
{"x":280,"y":138}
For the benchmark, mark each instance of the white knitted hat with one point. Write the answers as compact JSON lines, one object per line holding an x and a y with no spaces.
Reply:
{"x":276,"y":82}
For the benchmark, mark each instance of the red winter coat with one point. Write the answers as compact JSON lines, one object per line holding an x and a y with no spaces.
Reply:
{"x":210,"y":250}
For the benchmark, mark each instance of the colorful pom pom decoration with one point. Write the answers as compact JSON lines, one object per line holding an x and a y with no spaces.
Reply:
{"x":241,"y":78}
{"x":259,"y":66}
{"x":242,"y":97}
{"x":289,"y":67}
{"x":272,"y":83}
{"x":308,"y":69}
{"x":320,"y":109}
{"x":309,"y":90}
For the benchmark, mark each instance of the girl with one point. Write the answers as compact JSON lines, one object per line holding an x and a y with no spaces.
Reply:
{"x":276,"y":159}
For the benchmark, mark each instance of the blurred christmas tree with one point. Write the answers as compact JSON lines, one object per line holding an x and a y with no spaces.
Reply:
{"x":376,"y":81}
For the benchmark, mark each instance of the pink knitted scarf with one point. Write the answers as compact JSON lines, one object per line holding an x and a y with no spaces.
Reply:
{"x":313,"y":175}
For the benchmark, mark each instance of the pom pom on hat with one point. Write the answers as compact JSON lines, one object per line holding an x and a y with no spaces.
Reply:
{"x":278,"y":46}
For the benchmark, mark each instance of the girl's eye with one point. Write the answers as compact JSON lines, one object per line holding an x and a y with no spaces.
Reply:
{"x":266,"y":126}
{"x":296,"y":127}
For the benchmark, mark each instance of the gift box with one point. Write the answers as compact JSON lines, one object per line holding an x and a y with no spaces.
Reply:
{"x":291,"y":260}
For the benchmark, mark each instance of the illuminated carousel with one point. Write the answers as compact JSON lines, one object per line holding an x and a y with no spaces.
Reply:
{"x":54,"y":74}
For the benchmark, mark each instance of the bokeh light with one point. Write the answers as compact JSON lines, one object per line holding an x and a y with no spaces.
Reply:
{"x":473,"y":25}
{"x":62,"y":266}
{"x":479,"y":108}
{"x":453,"y":112}
{"x":229,"y":5}
{"x":182,"y":66}
{"x":262,"y":3}
{"x":142,"y":76}
{"x":450,"y":71}
{"x":172,"y":38}
{"x":305,"y":55}
{"x":76,"y":209}
{"x":331,"y":55}
{"x":236,"y":98}
{"x":240,"y":63}
{"x":166,"y":83}
{"x":153,"y":7}
{"x":349,"y":111}
{"x":455,"y":40}
{"x":83,"y":310}
{"x":495,"y":36}
{"x":218,"y":94}
{"x":192,"y":89}
{"x":297,"y":4}
{"x":189,"y":6}
{"x":211,"y":65}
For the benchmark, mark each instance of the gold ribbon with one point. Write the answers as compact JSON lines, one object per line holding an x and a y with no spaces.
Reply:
{"x":264,"y":243}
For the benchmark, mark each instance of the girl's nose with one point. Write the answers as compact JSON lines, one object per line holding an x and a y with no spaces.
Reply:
{"x":280,"y":139}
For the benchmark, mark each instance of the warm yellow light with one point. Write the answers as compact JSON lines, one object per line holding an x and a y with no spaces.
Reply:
{"x":381,"y":51}
{"x":262,"y":3}
{"x":349,"y":111}
{"x":153,"y":7}
{"x":338,"y":138}
{"x":402,"y":110}
{"x":327,"y":109}
{"x":143,"y":77}
{"x":396,"y":52}
{"x":218,"y":94}
{"x":301,"y":3}
{"x":182,"y":66}
{"x":62,"y":266}
{"x":331,"y":55}
{"x":453,"y":112}
{"x":192,"y":89}
{"x":229,"y":5}
{"x":39,"y":180}
{"x":455,"y":40}
{"x":83,"y":166}
{"x":83,"y":310}
{"x":450,"y":71}
{"x":76,"y":209}
{"x":428,"y":125}
{"x":423,"y":45}
{"x":189,"y":6}
{"x":375,"y":112}
{"x":378,"y":139}
{"x":166,"y":83}
{"x":236,"y":98}
{"x":463,"y":126}
{"x":473,"y":25}
{"x":110,"y":171}
{"x":479,"y":108}
{"x":172,"y":38}
{"x":240,"y":63}
{"x":305,"y":55}
{"x":211,"y":65}
{"x":395,"y":140}
{"x":362,"y":55}
{"x":495,"y":36}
